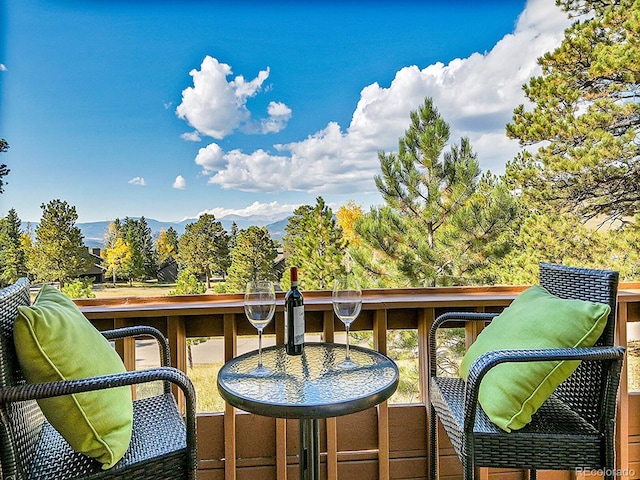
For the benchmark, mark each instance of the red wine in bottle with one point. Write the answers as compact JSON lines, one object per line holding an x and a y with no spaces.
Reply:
{"x":294,"y":316}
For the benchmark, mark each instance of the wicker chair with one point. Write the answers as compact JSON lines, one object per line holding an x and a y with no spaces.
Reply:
{"x":574,"y":429}
{"x":163,"y":444}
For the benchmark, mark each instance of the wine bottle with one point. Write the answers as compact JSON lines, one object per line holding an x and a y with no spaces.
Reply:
{"x":294,"y":316}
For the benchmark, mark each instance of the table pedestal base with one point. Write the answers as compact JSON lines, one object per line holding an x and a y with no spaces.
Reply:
{"x":309,"y":449}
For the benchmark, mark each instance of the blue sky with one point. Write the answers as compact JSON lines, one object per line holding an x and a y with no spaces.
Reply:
{"x":169,"y":109}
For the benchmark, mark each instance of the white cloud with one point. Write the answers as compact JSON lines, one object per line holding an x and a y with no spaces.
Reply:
{"x":138,"y":181}
{"x":191,"y":136}
{"x":279,"y":115}
{"x":216,"y":107}
{"x":180,"y":183}
{"x":210,"y":158}
{"x":3,"y":67}
{"x":475,"y":95}
{"x":270,"y":210}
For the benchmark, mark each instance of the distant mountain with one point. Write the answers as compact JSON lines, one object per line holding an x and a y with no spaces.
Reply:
{"x":94,"y":232}
{"x":276,"y":229}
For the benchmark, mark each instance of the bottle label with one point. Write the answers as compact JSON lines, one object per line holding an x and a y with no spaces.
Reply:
{"x":298,"y":325}
{"x":286,"y":322}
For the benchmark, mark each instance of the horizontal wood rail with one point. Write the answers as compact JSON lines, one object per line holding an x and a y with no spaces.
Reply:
{"x":386,"y":442}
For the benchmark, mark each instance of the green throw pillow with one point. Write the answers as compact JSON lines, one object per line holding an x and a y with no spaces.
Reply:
{"x":54,"y":341}
{"x":511,"y":393}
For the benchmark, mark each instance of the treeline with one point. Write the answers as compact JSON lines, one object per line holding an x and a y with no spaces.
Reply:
{"x":444,"y":222}
{"x":575,"y":200}
{"x":55,"y":251}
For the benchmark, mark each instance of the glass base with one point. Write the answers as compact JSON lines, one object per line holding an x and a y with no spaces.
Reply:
{"x":261,"y":371}
{"x":347,"y":364}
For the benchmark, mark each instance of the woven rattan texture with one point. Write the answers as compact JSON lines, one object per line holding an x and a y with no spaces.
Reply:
{"x":596,"y":286}
{"x":21,"y":422}
{"x":151,"y":438}
{"x":163,"y":445}
{"x":574,"y":428}
{"x":553,"y":428}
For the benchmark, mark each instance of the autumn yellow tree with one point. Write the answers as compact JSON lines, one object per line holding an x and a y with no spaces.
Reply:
{"x":166,"y":245}
{"x":347,"y":216}
{"x":117,"y":257}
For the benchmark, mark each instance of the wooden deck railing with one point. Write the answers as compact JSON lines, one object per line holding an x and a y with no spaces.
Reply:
{"x":386,"y":442}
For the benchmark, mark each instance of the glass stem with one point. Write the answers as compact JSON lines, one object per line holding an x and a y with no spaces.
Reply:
{"x":347,"y":329}
{"x":260,"y":348}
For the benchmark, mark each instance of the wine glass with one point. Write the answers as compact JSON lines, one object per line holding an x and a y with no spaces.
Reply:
{"x":347,"y":301}
{"x":259,"y":306}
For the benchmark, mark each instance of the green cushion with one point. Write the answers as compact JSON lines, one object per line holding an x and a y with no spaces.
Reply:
{"x":54,"y":341}
{"x":511,"y":393}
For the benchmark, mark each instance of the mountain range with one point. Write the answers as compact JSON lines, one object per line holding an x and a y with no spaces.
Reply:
{"x":93,"y":232}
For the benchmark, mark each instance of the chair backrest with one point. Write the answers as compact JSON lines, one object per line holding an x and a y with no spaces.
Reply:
{"x":20,"y":422}
{"x":583,"y":391}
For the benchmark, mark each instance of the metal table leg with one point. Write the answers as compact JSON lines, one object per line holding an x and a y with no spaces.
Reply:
{"x":309,"y":449}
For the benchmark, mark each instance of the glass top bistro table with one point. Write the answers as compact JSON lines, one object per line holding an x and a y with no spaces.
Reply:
{"x":308,"y":387}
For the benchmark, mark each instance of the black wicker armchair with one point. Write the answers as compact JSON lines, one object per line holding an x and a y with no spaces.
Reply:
{"x":574,"y":428}
{"x":163,"y":444}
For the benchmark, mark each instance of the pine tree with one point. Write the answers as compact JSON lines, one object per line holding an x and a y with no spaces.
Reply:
{"x":316,"y":245}
{"x":251,"y":259}
{"x":295,"y":229}
{"x":433,"y":203}
{"x":4,"y":171}
{"x":585,"y":117}
{"x":134,"y":235}
{"x":58,"y":253}
{"x":233,"y":236}
{"x":143,"y":263}
{"x":13,"y":259}
{"x":204,"y":248}
{"x":556,"y":238}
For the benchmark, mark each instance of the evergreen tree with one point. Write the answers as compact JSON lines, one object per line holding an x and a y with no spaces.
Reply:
{"x":58,"y":252}
{"x":585,"y":116}
{"x":188,"y":284}
{"x":316,"y":245}
{"x":4,"y":171}
{"x":133,"y":234}
{"x":235,"y":231}
{"x":295,"y":229}
{"x":556,"y":238}
{"x":143,"y":263}
{"x":480,"y":233}
{"x":435,"y":200}
{"x":251,"y":259}
{"x":204,"y":248}
{"x":13,"y":260}
{"x":623,"y":251}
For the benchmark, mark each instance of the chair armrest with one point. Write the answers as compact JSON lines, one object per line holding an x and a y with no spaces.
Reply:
{"x":143,"y":331}
{"x":488,"y":360}
{"x":447,"y":318}
{"x":35,"y":391}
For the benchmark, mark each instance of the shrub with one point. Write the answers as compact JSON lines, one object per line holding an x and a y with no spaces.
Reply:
{"x":188,"y":284}
{"x":79,"y":288}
